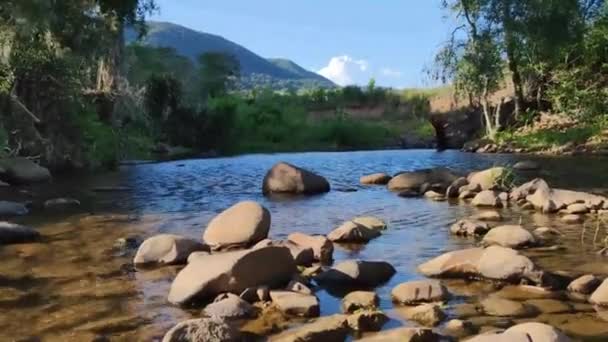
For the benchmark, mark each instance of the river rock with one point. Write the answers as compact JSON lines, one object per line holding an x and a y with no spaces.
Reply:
{"x":420,"y":291}
{"x":413,"y":180}
{"x":495,"y":306}
{"x":489,"y":215}
{"x":212,"y":329}
{"x":494,"y":263}
{"x":229,"y":306}
{"x":459,"y":328}
{"x":375,"y":179}
{"x":527,"y":189}
{"x":166,"y":249}
{"x":208,"y":276}
{"x":434,"y":195}
{"x":296,"y":304}
{"x":299,"y":287}
{"x":60,"y":203}
{"x":367,"y":320}
{"x":360,"y":300}
{"x":370,"y":222}
{"x":11,"y":233}
{"x":357,"y":273}
{"x":454,"y":189}
{"x":241,"y":225}
{"x":600,"y":295}
{"x":577,"y":208}
{"x":8,"y":208}
{"x":526,"y":165}
{"x":552,"y":200}
{"x":23,"y":171}
{"x":524,"y":332}
{"x":352,"y":232}
{"x":487,"y":179}
{"x":572,"y":218}
{"x":428,"y":315}
{"x":303,"y":256}
{"x":469,"y":228}
{"x":322,"y":247}
{"x":324,"y":329}
{"x":512,"y":236}
{"x":549,"y":306}
{"x":404,"y":335}
{"x":290,"y":179}
{"x":585,"y":284}
{"x":487,"y":198}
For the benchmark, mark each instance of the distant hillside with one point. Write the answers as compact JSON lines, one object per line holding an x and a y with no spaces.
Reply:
{"x":255,"y":70}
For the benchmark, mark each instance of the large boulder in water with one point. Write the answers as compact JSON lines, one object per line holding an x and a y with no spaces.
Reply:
{"x":419,"y":291}
{"x":209,"y":275}
{"x":242,"y":225}
{"x":23,"y":171}
{"x":493,"y":263}
{"x":487,"y":179}
{"x":8,"y":208}
{"x":546,"y":199}
{"x":13,"y":233}
{"x":290,"y":179}
{"x":414,"y":180}
{"x":322,"y":247}
{"x":375,"y":179}
{"x":512,"y":236}
{"x":166,"y":249}
{"x":212,"y":329}
{"x":357,"y":273}
{"x":352,"y":232}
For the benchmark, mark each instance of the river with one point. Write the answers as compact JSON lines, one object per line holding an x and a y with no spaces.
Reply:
{"x":76,"y":285}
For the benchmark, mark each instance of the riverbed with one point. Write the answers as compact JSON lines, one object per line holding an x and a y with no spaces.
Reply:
{"x":79,"y":283}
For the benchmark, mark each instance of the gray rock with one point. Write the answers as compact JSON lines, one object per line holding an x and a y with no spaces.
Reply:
{"x":357,"y":273}
{"x":303,"y":256}
{"x":487,"y":198}
{"x":166,"y":249}
{"x":203,"y":329}
{"x":290,"y":179}
{"x":8,"y":209}
{"x":352,"y":232}
{"x":11,"y":233}
{"x":511,"y":236}
{"x":469,"y":228}
{"x":208,"y":276}
{"x":526,"y":165}
{"x":413,"y":180}
{"x":241,"y":225}
{"x":229,"y":306}
{"x":23,"y":171}
{"x":322,"y":247}
{"x":296,"y":304}
{"x":61,"y":203}
{"x":487,"y":179}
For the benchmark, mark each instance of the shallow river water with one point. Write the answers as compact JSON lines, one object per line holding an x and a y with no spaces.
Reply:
{"x":76,"y":285}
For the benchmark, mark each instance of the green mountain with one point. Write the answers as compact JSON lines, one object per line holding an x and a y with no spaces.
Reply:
{"x":255,"y":70}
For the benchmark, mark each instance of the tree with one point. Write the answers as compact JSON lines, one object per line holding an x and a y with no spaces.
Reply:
{"x":219,"y":73}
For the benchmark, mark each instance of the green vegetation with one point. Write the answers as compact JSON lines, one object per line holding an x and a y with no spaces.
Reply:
{"x":553,"y":53}
{"x":543,"y":138}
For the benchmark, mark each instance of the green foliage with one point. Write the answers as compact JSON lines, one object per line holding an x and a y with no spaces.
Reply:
{"x":548,"y":137}
{"x":218,"y":73}
{"x":99,"y":141}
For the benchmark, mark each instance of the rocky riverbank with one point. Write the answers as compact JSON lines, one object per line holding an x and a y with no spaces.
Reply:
{"x":240,"y":285}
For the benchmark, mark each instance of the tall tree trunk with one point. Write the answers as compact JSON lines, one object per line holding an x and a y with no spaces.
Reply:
{"x":512,"y":60}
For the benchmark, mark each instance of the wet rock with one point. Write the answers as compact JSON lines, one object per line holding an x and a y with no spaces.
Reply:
{"x":241,"y":225}
{"x":322,"y":247}
{"x":352,"y":232}
{"x":552,"y":200}
{"x":526,"y":165}
{"x":538,"y":332}
{"x":324,"y":329}
{"x":359,"y":300}
{"x":511,"y":236}
{"x":166,"y":249}
{"x":585,"y":284}
{"x":357,"y":273}
{"x":364,"y":321}
{"x":375,"y":179}
{"x":11,"y":233}
{"x":572,"y":218}
{"x":299,"y":287}
{"x":495,"y":306}
{"x":549,"y":306}
{"x":526,"y":189}
{"x":428,"y":315}
{"x":303,"y":256}
{"x":23,"y":171}
{"x":208,"y":276}
{"x":289,"y":179}
{"x":296,"y":304}
{"x":524,"y":292}
{"x":413,"y":180}
{"x":370,"y":222}
{"x":467,"y":195}
{"x":8,"y":209}
{"x":600,"y":295}
{"x":434,"y":195}
{"x":404,"y":335}
{"x":420,"y":291}
{"x":203,"y":329}
{"x":229,"y":306}
{"x":454,"y":189}
{"x":577,"y":208}
{"x":469,"y":228}
{"x":490,"y":215}
{"x":487,"y":198}
{"x":256,"y":294}
{"x":61,"y":203}
{"x":494,"y":263}
{"x":459,"y":328}
{"x":487,"y":179}
{"x":408,"y":194}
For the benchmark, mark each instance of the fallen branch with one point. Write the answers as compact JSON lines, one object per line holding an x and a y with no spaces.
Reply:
{"x":24,"y":108}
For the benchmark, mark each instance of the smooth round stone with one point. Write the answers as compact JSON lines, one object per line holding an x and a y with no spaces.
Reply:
{"x":422,"y":291}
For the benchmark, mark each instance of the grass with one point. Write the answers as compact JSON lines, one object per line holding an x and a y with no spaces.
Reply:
{"x":546,"y":138}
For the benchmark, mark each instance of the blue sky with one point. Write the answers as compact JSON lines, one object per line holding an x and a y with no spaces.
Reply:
{"x":349,"y":41}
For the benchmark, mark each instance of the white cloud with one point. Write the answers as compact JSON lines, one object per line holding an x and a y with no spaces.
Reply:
{"x":388,"y":72}
{"x":345,"y":70}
